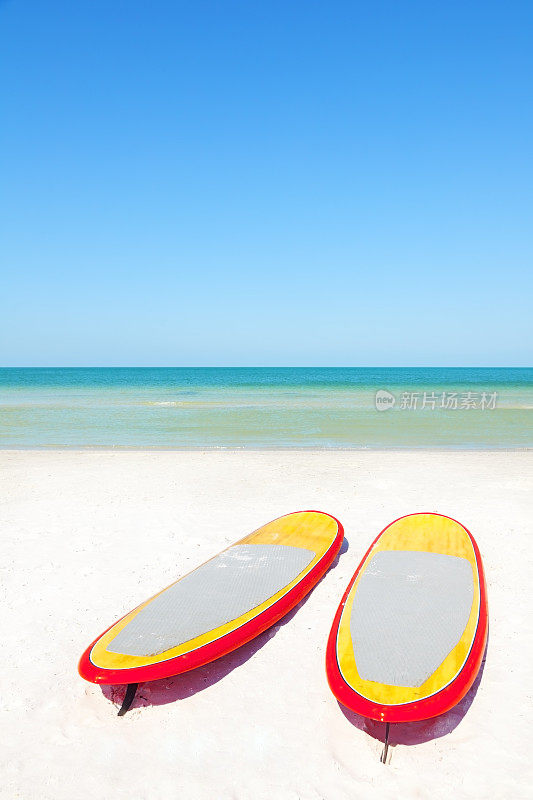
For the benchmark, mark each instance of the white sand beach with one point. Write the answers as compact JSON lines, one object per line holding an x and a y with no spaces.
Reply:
{"x":87,"y":535}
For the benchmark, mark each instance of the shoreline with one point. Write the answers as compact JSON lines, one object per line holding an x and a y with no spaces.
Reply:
{"x":104,"y":448}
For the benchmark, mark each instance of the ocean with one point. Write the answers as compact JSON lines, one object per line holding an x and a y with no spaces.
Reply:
{"x":266,"y":407}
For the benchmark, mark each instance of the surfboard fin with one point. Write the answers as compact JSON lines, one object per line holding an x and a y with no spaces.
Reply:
{"x":128,"y":698}
{"x":383,"y":758}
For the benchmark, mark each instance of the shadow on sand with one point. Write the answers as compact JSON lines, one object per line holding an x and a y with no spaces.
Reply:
{"x":409,"y":733}
{"x":178,"y":687}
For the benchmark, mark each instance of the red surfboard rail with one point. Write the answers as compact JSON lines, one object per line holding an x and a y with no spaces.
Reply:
{"x":439,"y":702}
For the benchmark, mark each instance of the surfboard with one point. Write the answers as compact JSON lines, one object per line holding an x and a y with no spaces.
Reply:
{"x":218,"y":606}
{"x":410,"y":632}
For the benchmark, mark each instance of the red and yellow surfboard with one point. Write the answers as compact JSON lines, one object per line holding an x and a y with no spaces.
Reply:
{"x":409,"y":635}
{"x":220,"y":605}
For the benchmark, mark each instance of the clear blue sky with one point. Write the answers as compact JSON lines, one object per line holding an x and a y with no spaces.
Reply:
{"x":277,"y":182}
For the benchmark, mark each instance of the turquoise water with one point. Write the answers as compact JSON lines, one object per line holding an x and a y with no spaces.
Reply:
{"x":265,"y":407}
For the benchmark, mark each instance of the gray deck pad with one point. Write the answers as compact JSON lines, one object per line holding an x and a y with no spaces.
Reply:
{"x":410,"y":609}
{"x":219,"y":591}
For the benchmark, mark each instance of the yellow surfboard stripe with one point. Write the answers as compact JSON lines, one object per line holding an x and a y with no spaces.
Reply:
{"x":433,"y":534}
{"x":307,"y":529}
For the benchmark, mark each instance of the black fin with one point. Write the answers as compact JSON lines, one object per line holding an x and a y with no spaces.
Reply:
{"x":383,"y":758}
{"x":128,"y":698}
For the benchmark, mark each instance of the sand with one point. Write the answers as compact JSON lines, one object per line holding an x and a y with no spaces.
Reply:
{"x":86,"y":536}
